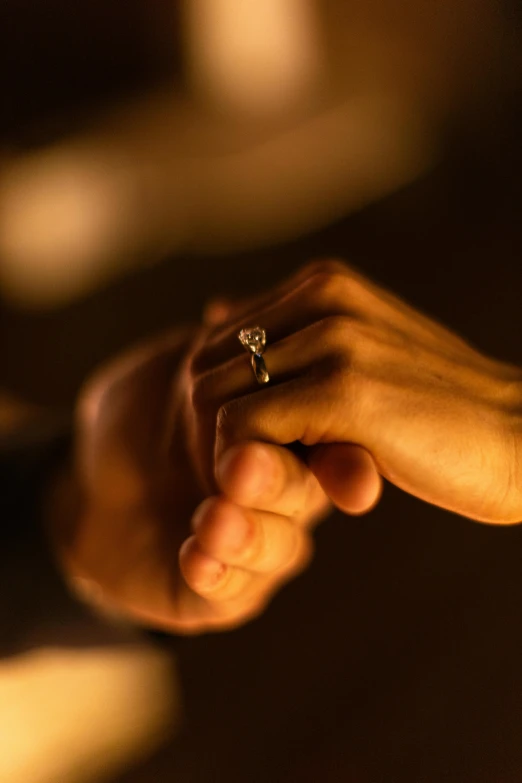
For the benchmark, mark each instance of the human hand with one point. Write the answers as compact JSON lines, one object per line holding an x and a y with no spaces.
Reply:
{"x":351,"y":363}
{"x":136,"y":500}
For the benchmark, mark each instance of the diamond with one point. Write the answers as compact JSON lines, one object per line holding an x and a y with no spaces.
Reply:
{"x":253,"y":339}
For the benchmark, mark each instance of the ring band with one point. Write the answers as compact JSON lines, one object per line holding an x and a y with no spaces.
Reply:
{"x":254,"y":341}
{"x":259,"y":368}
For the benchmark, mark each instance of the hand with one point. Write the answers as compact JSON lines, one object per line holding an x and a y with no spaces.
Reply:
{"x":351,"y":363}
{"x":137,"y":500}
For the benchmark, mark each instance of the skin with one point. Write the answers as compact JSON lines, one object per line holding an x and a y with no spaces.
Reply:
{"x":135,"y":531}
{"x":169,"y":173}
{"x":189,"y":509}
{"x":351,"y":363}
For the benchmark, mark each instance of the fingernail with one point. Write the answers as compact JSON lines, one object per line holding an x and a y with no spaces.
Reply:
{"x":212,"y":571}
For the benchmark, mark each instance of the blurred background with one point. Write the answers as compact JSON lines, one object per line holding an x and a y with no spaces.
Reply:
{"x":154,"y":155}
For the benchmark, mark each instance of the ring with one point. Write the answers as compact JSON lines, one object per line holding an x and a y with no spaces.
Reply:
{"x":254,"y":341}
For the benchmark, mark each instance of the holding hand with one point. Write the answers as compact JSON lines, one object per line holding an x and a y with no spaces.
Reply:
{"x":190,"y":510}
{"x":119,"y":522}
{"x":351,"y":363}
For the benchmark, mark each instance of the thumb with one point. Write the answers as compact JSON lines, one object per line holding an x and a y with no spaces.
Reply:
{"x":348,"y":475}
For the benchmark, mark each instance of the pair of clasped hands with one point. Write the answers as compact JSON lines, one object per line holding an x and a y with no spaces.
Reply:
{"x":188,"y":503}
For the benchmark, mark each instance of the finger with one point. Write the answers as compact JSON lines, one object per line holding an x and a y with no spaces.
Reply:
{"x":319,"y":356}
{"x":270,"y":478}
{"x":316,"y":292}
{"x":216,"y":387}
{"x":304,"y":351}
{"x":319,"y":291}
{"x":348,"y":475}
{"x":226,"y":585}
{"x":249,"y":306}
{"x":200,"y":571}
{"x":313,"y":415}
{"x":321,"y":363}
{"x":255,"y":541}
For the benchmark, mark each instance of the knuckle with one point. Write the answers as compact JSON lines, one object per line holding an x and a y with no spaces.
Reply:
{"x":338,"y":287}
{"x":328,"y":288}
{"x":332,"y":266}
{"x":355,"y":290}
{"x":337,"y":331}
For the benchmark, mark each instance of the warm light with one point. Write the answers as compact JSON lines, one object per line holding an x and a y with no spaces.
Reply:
{"x":81,"y":715}
{"x":59,"y":214}
{"x":256,"y":56}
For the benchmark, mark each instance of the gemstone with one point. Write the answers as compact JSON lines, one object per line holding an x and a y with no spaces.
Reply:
{"x":254,"y":339}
